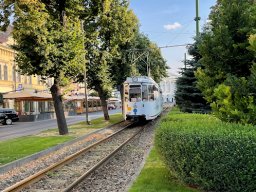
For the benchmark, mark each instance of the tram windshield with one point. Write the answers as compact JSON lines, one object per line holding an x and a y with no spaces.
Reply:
{"x":135,"y":93}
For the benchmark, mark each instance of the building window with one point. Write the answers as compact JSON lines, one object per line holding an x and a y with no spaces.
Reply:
{"x":39,"y":80}
{"x":0,"y":72}
{"x":50,"y":82}
{"x":5,"y":72}
{"x":25,"y":79}
{"x":14,"y":74}
{"x":168,"y":89}
{"x":18,"y":77}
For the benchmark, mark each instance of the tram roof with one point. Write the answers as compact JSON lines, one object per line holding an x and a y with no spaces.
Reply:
{"x":139,"y":79}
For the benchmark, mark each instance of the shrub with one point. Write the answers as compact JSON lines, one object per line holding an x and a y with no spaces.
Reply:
{"x":235,"y":100}
{"x":203,"y":151}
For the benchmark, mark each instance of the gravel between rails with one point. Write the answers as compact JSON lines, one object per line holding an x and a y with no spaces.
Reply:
{"x":17,"y":174}
{"x":117,"y":174}
{"x":60,"y":179}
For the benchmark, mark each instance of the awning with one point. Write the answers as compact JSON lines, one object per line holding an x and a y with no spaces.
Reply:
{"x":23,"y":95}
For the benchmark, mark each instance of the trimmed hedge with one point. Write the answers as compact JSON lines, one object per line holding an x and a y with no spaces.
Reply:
{"x":205,"y":152}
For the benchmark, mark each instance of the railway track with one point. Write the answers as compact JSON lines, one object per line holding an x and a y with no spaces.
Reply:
{"x":53,"y":177}
{"x":67,"y":173}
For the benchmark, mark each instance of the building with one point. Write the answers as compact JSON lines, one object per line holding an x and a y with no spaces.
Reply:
{"x":10,"y":79}
{"x":168,"y":86}
{"x":23,"y":93}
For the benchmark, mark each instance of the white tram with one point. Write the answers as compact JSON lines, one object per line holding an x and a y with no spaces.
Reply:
{"x":142,"y":98}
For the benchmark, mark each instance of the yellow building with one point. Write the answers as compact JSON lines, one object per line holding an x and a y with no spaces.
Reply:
{"x":10,"y":79}
{"x":21,"y":92}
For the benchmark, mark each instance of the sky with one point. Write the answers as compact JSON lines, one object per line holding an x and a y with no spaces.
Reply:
{"x":171,"y":22}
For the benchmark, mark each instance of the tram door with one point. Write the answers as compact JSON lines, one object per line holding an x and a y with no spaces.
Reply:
{"x":125,"y":99}
{"x":132,"y":100}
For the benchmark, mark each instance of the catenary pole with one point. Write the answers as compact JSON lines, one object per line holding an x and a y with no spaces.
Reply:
{"x":85,"y":82}
{"x":197,"y":18}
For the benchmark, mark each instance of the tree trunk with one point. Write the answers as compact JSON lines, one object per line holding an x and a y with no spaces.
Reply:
{"x":104,"y":107}
{"x":104,"y":104}
{"x":61,"y":120}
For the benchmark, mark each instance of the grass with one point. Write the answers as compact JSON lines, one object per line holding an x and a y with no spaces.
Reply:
{"x":155,"y":177}
{"x":14,"y":149}
{"x":81,"y":128}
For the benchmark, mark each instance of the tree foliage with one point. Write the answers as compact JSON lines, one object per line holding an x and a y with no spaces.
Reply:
{"x":227,"y":74}
{"x":149,"y":54}
{"x":48,"y":41}
{"x":109,"y":24}
{"x":188,"y":97}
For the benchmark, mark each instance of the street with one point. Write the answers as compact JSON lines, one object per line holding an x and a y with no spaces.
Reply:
{"x":18,"y":129}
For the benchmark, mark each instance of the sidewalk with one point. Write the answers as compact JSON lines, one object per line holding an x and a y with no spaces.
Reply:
{"x":19,"y":129}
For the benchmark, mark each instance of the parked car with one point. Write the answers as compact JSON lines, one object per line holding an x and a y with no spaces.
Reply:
{"x":3,"y":117}
{"x":111,"y":106}
{"x":11,"y":116}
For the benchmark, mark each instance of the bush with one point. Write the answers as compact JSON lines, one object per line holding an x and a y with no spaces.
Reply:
{"x":205,"y":152}
{"x":235,"y":100}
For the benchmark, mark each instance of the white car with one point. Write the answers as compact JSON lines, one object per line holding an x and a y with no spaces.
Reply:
{"x":111,"y":106}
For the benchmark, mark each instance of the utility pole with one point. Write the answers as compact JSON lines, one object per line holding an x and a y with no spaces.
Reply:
{"x":85,"y":81}
{"x":197,"y":18}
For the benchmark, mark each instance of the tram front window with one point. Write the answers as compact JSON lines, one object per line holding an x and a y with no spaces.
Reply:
{"x":135,"y":93}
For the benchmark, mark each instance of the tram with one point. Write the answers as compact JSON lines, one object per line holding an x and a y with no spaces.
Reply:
{"x":142,"y":98}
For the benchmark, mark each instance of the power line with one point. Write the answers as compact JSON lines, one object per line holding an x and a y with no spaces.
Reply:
{"x":161,"y":47}
{"x":169,"y":46}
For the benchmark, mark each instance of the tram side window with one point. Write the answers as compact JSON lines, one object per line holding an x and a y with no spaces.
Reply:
{"x":151,"y":92}
{"x":135,"y":93}
{"x":144,"y":93}
{"x":156,"y":92}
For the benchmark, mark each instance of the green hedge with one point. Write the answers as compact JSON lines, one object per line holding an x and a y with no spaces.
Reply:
{"x":205,"y":152}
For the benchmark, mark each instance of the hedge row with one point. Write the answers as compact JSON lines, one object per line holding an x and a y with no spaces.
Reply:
{"x":205,"y":152}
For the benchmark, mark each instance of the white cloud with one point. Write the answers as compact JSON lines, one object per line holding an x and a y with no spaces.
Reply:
{"x":173,"y":26}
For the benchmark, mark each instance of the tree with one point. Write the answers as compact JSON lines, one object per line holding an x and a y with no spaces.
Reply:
{"x":224,"y":46}
{"x":188,"y":97}
{"x":124,"y":66}
{"x":109,"y":24}
{"x":252,"y":41}
{"x":48,"y":41}
{"x":227,"y":63}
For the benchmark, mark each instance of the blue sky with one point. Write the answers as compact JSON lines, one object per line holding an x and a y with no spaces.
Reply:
{"x":170,"y":22}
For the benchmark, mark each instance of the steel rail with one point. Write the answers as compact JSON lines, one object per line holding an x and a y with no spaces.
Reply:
{"x":82,"y":177}
{"x":33,"y":178}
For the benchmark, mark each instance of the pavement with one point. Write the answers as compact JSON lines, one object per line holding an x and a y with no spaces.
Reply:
{"x":19,"y":129}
